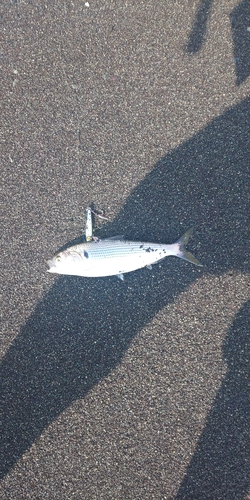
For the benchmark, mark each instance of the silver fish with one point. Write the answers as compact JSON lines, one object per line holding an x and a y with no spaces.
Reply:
{"x":116,"y":256}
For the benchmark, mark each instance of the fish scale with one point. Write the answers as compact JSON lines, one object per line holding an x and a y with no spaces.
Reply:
{"x":112,"y":249}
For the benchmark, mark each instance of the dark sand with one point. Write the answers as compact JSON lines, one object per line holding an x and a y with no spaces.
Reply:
{"x":134,"y":390}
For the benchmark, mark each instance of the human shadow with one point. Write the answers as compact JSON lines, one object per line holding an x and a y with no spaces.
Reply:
{"x":220,"y":466}
{"x":199,"y":28}
{"x":82,"y":327}
{"x":240,"y":23}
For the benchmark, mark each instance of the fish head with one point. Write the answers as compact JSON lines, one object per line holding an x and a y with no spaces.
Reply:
{"x":66,"y":262}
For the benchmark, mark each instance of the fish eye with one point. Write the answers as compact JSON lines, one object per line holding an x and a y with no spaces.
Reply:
{"x":58,"y":258}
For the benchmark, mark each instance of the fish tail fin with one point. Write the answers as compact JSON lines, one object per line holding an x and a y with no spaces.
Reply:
{"x":182,"y":252}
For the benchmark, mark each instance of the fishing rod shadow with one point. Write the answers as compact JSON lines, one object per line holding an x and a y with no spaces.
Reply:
{"x":220,"y":466}
{"x":81,"y":329}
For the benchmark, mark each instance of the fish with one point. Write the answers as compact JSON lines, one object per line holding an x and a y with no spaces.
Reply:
{"x":116,"y":256}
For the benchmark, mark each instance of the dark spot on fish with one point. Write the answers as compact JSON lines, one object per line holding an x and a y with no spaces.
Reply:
{"x":141,"y":246}
{"x":148,"y":249}
{"x":85,"y":253}
{"x":164,"y":251}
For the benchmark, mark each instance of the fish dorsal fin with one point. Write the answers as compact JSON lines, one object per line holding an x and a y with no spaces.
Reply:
{"x":115,"y":238}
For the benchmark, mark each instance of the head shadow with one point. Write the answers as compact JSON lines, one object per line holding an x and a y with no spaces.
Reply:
{"x":82,"y":327}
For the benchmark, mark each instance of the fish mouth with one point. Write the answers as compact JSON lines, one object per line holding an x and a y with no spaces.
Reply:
{"x":51,"y":265}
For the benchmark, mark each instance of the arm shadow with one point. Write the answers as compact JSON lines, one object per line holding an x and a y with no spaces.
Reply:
{"x":82,"y":327}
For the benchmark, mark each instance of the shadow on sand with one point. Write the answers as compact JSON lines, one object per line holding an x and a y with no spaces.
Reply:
{"x":81,"y":329}
{"x":220,"y":467}
{"x":240,"y":25}
{"x":199,"y":28}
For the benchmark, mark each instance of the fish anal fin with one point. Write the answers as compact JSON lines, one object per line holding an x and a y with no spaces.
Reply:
{"x":120,"y":276}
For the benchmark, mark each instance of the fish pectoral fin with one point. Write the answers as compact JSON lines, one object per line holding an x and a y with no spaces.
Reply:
{"x":149,"y":266}
{"x":114,"y":238}
{"x":120,"y":276}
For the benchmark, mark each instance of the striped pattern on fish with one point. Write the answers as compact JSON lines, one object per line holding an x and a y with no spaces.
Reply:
{"x":115,"y":256}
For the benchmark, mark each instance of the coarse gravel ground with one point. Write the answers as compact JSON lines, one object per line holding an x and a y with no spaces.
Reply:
{"x":137,"y":389}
